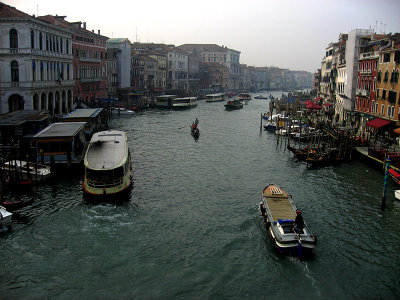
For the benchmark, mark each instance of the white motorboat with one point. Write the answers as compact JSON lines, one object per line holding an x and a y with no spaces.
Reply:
{"x":27,"y":170}
{"x":279,"y":212}
{"x":5,"y":219}
{"x":397,"y":194}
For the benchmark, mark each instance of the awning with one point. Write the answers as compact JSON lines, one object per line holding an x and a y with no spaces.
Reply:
{"x":317,"y":99}
{"x":394,"y":173}
{"x":377,"y":123}
{"x":327,"y":104}
{"x":397,"y":130}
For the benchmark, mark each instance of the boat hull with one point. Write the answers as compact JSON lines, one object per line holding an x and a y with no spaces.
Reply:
{"x":6,"y":219}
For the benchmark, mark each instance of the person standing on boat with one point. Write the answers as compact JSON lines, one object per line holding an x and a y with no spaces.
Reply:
{"x":298,"y":222}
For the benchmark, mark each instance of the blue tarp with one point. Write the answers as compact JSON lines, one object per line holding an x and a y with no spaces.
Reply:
{"x":285,"y":221}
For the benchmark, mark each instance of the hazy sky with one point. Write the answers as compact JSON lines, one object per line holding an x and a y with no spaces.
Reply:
{"x":282,"y":33}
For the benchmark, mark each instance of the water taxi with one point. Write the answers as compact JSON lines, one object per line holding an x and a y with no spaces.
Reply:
{"x":108,"y":166}
{"x":165,"y":100}
{"x":233,"y":104}
{"x":186,"y":102}
{"x":280,"y":214}
{"x":244,"y":96}
{"x":215,"y":97}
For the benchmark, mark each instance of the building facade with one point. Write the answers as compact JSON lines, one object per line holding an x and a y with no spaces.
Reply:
{"x":36,"y":70}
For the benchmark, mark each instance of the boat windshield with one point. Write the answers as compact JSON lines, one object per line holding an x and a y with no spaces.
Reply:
{"x":105,"y":175}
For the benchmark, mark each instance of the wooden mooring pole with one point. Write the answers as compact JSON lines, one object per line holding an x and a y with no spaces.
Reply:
{"x":383,"y":203}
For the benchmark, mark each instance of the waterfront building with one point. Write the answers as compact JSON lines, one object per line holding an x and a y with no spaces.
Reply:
{"x":118,"y":68}
{"x":326,"y":67}
{"x":213,"y":53}
{"x":89,"y":59}
{"x":275,"y":76}
{"x":388,"y":87}
{"x":247,"y":74}
{"x":316,"y":80}
{"x":214,"y":77}
{"x":161,"y":73}
{"x":36,"y":67}
{"x":193,"y":73}
{"x":177,"y":64}
{"x":367,"y":81}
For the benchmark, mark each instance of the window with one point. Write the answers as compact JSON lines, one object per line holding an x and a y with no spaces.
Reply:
{"x":383,"y":109}
{"x":392,"y":97}
{"x":386,"y":76}
{"x":384,"y":94}
{"x":14,"y":71}
{"x":373,"y":106}
{"x":33,"y":70}
{"x":379,"y":76}
{"x":32,"y":39}
{"x":40,"y":41}
{"x":386,"y":57}
{"x":13,"y":39}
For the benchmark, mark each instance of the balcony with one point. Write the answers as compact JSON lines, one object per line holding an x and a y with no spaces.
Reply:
{"x":369,"y":55}
{"x":366,"y":72}
{"x":362,"y":92}
{"x":29,"y":51}
{"x":87,"y":59}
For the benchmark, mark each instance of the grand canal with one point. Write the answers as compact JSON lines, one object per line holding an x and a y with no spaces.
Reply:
{"x":192,"y":228}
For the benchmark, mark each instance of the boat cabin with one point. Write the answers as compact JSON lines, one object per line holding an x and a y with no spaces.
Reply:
{"x":165,"y":100}
{"x":215,"y":97}
{"x":63,"y":143}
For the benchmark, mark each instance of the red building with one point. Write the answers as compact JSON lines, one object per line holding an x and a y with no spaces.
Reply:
{"x":89,"y":60}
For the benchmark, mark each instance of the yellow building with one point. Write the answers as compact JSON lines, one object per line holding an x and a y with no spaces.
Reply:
{"x":388,"y":87}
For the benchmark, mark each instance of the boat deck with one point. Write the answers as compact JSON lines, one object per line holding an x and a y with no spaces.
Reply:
{"x":278,"y":203}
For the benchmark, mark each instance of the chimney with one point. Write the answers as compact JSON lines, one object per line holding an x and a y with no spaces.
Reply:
{"x":84,"y":25}
{"x":98,"y":32}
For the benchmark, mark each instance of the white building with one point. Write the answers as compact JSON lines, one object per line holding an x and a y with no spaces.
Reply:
{"x":123,"y":55}
{"x":177,"y":77}
{"x":35,"y":64}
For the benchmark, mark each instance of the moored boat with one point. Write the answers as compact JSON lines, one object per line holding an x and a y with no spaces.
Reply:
{"x":108,"y":166}
{"x":233,"y":104}
{"x":289,"y":235}
{"x":5,"y":219}
{"x":26,"y":170}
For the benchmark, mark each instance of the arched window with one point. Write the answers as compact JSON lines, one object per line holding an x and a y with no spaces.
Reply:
{"x":14,"y":71}
{"x":32,"y":39}
{"x":386,"y":76}
{"x":13,"y":39}
{"x":379,"y":76}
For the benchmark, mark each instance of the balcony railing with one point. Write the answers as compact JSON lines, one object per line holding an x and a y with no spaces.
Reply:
{"x":29,"y":51}
{"x":87,"y":59}
{"x":38,"y":84}
{"x":362,"y":92}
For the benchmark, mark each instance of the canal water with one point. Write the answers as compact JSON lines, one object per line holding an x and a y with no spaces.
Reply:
{"x":192,"y":228}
